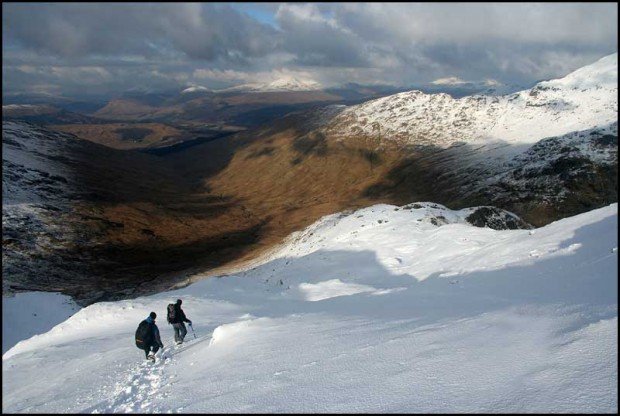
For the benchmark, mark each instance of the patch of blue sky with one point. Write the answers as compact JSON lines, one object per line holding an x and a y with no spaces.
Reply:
{"x":262,"y":12}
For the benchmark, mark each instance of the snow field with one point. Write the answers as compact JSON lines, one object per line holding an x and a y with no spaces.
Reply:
{"x":357,"y":315}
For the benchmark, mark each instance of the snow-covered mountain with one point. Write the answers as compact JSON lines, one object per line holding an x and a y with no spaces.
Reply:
{"x":584,"y":99}
{"x":279,"y":85}
{"x":195,"y":89}
{"x":383,"y":309}
{"x":457,"y":87}
{"x":555,"y":167}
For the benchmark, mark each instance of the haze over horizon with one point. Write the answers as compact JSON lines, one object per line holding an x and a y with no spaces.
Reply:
{"x":89,"y":49}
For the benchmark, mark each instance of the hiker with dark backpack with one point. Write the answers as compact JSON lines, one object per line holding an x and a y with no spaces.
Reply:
{"x":147,"y":337}
{"x":176,"y":317}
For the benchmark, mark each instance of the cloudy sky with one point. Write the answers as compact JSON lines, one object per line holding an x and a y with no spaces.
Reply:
{"x":69,"y":48}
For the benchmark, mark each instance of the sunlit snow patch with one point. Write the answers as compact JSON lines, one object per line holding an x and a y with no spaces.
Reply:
{"x":236,"y":331}
{"x":331,"y":289}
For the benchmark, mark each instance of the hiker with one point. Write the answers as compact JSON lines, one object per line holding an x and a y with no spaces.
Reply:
{"x":176,"y":317}
{"x":147,"y":337}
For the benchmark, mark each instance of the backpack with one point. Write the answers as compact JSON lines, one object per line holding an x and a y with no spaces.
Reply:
{"x":172,"y":313}
{"x":144,"y":335}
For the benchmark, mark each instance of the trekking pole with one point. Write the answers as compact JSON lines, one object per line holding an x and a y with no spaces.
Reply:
{"x":190,"y":325}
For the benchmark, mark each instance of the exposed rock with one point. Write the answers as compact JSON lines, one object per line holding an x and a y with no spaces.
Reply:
{"x":496,"y":219}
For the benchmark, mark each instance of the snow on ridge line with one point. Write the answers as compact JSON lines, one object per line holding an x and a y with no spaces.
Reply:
{"x":584,"y":99}
{"x":385,"y":229}
{"x":285,"y":84}
{"x":195,"y":88}
{"x":19,"y":106}
{"x":602,"y":72}
{"x":429,"y":213}
{"x":418,"y":210}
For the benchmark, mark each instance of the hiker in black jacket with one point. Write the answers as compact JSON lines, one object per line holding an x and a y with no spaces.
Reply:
{"x":147,"y":337}
{"x":176,"y":317}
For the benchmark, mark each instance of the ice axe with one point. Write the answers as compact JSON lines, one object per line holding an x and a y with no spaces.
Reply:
{"x":190,"y":325}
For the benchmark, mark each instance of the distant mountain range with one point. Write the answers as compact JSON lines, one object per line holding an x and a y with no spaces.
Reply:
{"x":281,"y":84}
{"x":246,"y":105}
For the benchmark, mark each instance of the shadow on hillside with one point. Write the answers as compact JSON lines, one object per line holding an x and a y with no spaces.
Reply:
{"x":113,"y":271}
{"x":469,"y":174}
{"x":443,"y":175}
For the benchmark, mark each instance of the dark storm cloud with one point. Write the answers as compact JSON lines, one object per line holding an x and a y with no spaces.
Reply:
{"x":123,"y":45}
{"x":200,"y":31}
{"x":317,"y":40}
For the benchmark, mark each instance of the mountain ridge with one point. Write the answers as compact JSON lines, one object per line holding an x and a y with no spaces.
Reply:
{"x":550,"y":108}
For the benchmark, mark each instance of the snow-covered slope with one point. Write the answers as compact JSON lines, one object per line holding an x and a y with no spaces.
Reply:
{"x":583,"y":99}
{"x":195,"y":88}
{"x":385,"y":309}
{"x":279,"y":85}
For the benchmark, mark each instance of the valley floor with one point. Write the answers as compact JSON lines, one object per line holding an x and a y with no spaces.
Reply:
{"x":378,"y":310}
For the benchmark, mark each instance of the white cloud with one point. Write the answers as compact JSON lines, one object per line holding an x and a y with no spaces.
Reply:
{"x":228,"y":75}
{"x":260,"y":77}
{"x":330,"y":43}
